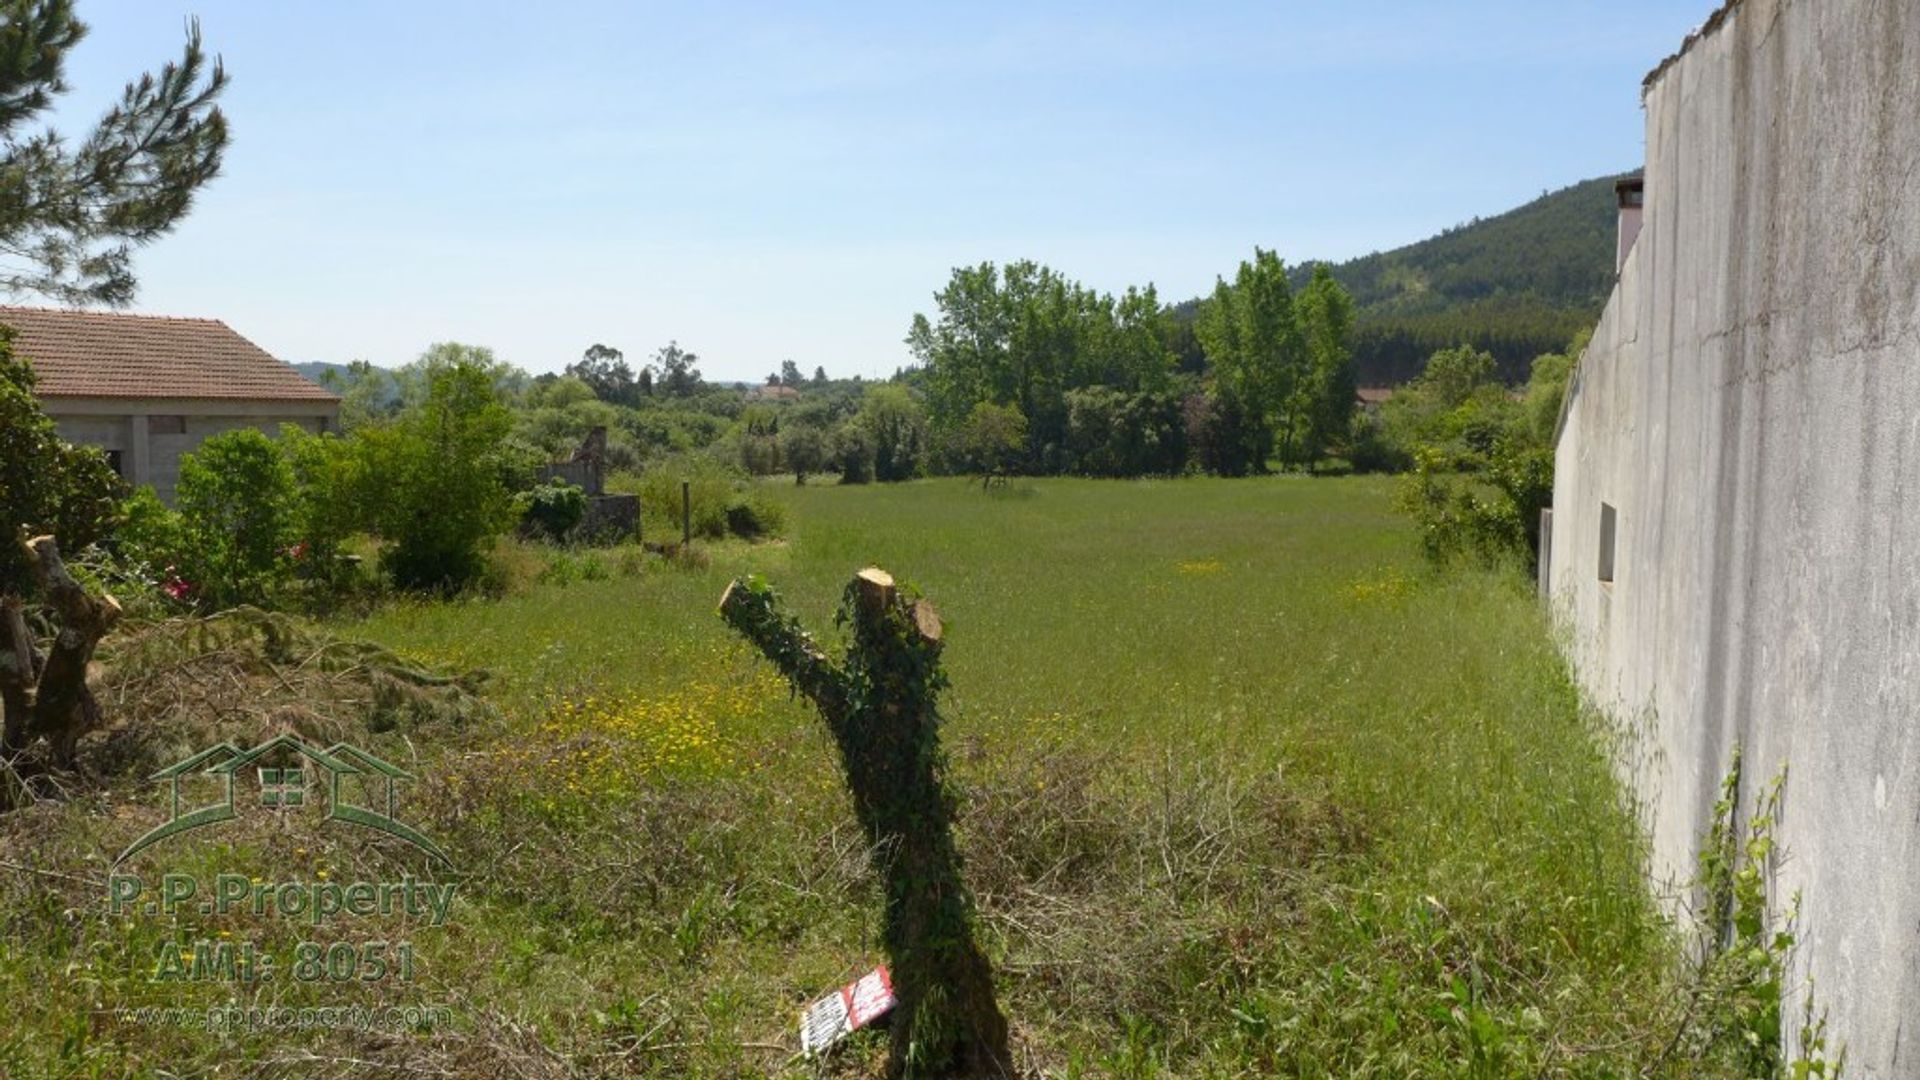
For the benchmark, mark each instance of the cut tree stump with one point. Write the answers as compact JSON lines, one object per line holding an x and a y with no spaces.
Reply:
{"x":49,"y":696}
{"x":879,"y":704}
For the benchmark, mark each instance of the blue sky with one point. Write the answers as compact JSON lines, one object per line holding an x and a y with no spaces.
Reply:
{"x":770,"y":181}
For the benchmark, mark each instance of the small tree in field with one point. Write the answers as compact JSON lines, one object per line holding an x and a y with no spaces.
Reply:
{"x":428,"y":482}
{"x":992,"y":439}
{"x":52,"y":493}
{"x":879,"y":704}
{"x":805,"y":449}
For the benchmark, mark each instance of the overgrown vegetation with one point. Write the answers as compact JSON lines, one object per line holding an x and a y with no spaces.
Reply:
{"x":1482,"y":457}
{"x":1743,"y":940}
{"x":1396,"y":852}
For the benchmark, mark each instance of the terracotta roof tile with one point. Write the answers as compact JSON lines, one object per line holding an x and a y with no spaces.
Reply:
{"x":108,"y":354}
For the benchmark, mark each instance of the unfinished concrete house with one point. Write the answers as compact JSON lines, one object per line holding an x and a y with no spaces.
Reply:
{"x":1735,"y":541}
{"x":148,"y":389}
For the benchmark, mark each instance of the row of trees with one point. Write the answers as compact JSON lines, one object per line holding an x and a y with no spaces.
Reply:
{"x":1104,"y":385}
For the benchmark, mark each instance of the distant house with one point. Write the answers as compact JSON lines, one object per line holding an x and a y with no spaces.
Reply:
{"x":148,"y":389}
{"x":1372,"y":397}
{"x":771,"y":392}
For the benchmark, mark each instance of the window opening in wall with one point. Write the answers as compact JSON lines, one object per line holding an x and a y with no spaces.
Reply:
{"x":1607,"y":525}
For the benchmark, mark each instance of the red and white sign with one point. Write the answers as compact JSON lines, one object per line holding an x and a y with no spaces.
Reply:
{"x":846,"y":1010}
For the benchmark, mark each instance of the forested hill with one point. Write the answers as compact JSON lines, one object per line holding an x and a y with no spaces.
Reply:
{"x":1518,"y":285}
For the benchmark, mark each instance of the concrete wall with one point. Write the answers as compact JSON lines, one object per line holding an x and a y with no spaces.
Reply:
{"x":1750,"y":406}
{"x":150,"y":437}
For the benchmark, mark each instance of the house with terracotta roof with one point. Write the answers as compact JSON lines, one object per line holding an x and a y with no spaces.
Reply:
{"x":148,"y":389}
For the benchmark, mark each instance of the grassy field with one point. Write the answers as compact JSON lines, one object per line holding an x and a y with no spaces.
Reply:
{"x":1248,"y":791}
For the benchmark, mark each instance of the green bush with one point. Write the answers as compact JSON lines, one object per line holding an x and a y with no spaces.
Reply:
{"x":239,"y":518}
{"x":430,"y":480}
{"x":553,"y":509}
{"x":754,"y":515}
{"x":328,"y":506}
{"x":47,"y":485}
{"x":724,"y":500}
{"x":711,"y":486}
{"x":1369,"y":450}
{"x":853,"y":454}
{"x":150,"y":533}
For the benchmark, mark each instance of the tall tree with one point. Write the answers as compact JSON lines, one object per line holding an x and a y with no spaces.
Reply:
{"x":1256,"y":349}
{"x":678,"y":376}
{"x":1326,"y":321}
{"x":790,"y":374}
{"x":72,"y":213}
{"x":604,"y":368}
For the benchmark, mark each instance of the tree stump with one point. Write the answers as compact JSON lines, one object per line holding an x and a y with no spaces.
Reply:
{"x":48,"y":695}
{"x":879,"y":704}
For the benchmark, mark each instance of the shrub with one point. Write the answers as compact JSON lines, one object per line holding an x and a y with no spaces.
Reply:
{"x":238,"y":515}
{"x":754,"y":515}
{"x":430,"y":479}
{"x":150,"y":533}
{"x":1490,"y":509}
{"x":328,"y":508}
{"x":1369,"y":450}
{"x":1228,"y":439}
{"x":47,"y":485}
{"x":993,"y":439}
{"x":710,"y":485}
{"x":1115,"y":433}
{"x":553,"y":509}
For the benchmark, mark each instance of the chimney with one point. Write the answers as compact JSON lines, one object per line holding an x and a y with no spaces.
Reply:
{"x":1632,"y":195}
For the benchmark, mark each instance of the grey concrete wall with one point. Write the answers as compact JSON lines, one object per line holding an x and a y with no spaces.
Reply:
{"x":151,"y":455}
{"x":1750,"y":405}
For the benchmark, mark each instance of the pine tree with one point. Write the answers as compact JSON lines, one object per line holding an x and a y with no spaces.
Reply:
{"x":72,"y":213}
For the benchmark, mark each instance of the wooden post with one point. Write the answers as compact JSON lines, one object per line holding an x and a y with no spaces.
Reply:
{"x":686,"y":514}
{"x":879,"y":705}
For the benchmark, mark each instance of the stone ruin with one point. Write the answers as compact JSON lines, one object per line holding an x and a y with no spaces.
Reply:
{"x":609,"y":518}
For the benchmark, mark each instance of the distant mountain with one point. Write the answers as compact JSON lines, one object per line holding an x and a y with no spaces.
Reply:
{"x":1517,"y":285}
{"x":337,"y":377}
{"x":314,"y":370}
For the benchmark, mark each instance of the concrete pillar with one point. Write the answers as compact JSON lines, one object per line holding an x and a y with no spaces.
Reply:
{"x":139,"y":458}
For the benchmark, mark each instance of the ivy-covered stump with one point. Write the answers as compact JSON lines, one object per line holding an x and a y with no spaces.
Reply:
{"x":879,"y":704}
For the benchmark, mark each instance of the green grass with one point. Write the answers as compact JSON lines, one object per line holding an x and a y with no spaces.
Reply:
{"x":1248,"y":791}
